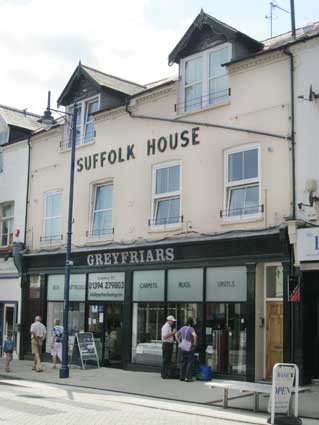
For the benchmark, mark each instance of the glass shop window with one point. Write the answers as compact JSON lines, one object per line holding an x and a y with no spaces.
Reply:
{"x":274,"y":282}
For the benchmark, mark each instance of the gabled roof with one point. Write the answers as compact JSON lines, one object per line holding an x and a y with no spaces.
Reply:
{"x":20,"y":118}
{"x":101,"y":79}
{"x":203,"y":19}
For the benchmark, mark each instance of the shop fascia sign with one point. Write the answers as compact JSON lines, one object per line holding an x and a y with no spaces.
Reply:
{"x":308,"y":244}
{"x":137,"y":256}
{"x":170,"y":142}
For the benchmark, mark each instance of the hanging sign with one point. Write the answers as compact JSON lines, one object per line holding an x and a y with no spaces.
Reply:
{"x":308,"y":244}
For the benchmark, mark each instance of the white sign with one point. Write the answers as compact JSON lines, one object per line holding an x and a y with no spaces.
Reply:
{"x":308,"y":244}
{"x":148,"y":285}
{"x":283,"y":377}
{"x":185,"y":285}
{"x":106,"y":286}
{"x":226,"y":284}
{"x":56,"y":287}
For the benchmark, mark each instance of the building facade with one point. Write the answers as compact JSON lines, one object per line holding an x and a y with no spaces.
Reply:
{"x":16,"y":127}
{"x":182,"y":190}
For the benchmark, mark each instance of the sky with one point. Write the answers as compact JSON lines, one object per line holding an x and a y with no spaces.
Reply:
{"x":41,"y":42}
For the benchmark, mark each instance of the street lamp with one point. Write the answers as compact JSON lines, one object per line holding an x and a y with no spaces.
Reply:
{"x":48,"y":119}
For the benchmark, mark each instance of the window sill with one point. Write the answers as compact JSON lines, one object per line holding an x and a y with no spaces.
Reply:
{"x":96,"y":240}
{"x":206,"y":108}
{"x":247,"y":219}
{"x":52,"y":244}
{"x":80,"y":146}
{"x":167,"y":228}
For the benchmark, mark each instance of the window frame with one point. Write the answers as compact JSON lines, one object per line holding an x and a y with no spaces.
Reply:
{"x":205,"y":98}
{"x":95,"y":186}
{"x":238,"y":184}
{"x":83,"y":104}
{"x":165,"y":196}
{"x":52,"y":238}
{"x":6,"y":219}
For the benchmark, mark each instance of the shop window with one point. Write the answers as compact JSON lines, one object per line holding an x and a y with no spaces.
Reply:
{"x":226,"y":338}
{"x":166,"y":204}
{"x":76,"y":318}
{"x":242,"y":184}
{"x":35,"y":287}
{"x":204,"y":79}
{"x":6,"y":224}
{"x":1,"y":160}
{"x":52,"y":222}
{"x":274,"y":282}
{"x":85,"y":126}
{"x":185,"y":285}
{"x":106,"y":286}
{"x":101,"y":223}
{"x":55,"y":290}
{"x":226,"y":284}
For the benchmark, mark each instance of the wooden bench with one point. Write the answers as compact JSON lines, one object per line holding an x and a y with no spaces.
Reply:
{"x":255,"y":388}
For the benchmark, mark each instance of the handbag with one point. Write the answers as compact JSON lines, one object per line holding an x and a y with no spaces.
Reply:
{"x":185,"y":345}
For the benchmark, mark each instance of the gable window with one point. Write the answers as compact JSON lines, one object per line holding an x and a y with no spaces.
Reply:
{"x":85,"y":126}
{"x":52,"y":225}
{"x":102,"y":210}
{"x":204,"y":79}
{"x":242,"y":185}
{"x":6,"y":224}
{"x":166,"y":195}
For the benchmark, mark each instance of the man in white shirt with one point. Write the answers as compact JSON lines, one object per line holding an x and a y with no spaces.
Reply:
{"x":167,"y":345}
{"x":38,"y":333}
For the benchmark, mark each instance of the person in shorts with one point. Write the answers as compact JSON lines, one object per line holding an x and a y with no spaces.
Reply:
{"x":38,"y":333}
{"x":56,"y":342}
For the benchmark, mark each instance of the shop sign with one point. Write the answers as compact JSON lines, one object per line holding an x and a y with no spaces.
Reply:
{"x":106,"y":286}
{"x":226,"y":284}
{"x":56,"y":287}
{"x":308,"y":244}
{"x":283,"y":381}
{"x":140,"y":256}
{"x":185,"y":285}
{"x":148,"y":285}
{"x":153,"y":146}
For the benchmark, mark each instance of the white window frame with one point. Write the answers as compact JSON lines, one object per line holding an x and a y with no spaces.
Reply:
{"x":84,"y":107}
{"x":52,"y":238}
{"x":164,"y":196}
{"x":4,"y":219}
{"x":205,"y":103}
{"x":95,"y":186}
{"x":228,"y":186}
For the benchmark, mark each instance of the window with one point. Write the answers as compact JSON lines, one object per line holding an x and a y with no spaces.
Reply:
{"x":166,"y":195}
{"x":1,"y":161}
{"x":52,"y":217}
{"x":242,"y":183}
{"x":204,"y":79}
{"x":85,"y":127}
{"x":274,"y":282}
{"x":102,"y":210}
{"x":6,"y":224}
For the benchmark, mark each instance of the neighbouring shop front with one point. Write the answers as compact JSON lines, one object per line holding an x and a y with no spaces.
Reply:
{"x":123,"y":296}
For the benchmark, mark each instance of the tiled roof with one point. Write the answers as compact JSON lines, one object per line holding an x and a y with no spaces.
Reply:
{"x":20,"y":118}
{"x":112,"y":82}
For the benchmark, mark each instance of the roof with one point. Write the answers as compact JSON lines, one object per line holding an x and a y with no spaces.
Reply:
{"x":217,"y":26}
{"x":284,"y":40}
{"x":103,"y":80}
{"x":20,"y":118}
{"x":174,"y":240}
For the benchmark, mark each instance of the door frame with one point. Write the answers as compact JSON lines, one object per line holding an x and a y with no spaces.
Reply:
{"x":13,"y":304}
{"x":275,"y":264}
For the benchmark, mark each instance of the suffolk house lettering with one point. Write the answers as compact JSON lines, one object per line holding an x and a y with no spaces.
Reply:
{"x":153,"y":146}
{"x":131,"y":257}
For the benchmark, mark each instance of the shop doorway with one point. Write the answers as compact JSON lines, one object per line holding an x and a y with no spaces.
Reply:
{"x":105,"y":321}
{"x":8,"y":321}
{"x":274,"y":335}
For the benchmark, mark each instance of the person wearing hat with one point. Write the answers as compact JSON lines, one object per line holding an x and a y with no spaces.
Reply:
{"x":167,"y":345}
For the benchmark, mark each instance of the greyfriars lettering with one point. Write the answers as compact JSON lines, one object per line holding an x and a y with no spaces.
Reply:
{"x":131,"y":257}
{"x":153,"y":146}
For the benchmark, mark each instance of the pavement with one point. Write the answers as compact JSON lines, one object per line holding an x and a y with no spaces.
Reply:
{"x":193,"y":397}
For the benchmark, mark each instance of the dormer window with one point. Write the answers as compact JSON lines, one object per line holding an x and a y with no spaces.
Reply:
{"x":85,"y":127}
{"x":204,"y":81}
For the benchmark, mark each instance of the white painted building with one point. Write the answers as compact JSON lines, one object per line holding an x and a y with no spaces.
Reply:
{"x":15,"y":128}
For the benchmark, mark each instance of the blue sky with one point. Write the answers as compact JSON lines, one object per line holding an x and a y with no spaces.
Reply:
{"x":41,"y":42}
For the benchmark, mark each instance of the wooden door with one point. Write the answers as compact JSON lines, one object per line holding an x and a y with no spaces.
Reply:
{"x":274,"y":335}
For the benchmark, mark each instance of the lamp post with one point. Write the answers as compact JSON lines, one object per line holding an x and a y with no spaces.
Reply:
{"x":48,"y":119}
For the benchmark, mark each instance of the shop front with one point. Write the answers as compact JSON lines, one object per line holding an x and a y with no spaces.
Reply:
{"x":123,"y":296}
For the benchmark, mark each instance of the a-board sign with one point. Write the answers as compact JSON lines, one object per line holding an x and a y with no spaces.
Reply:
{"x":87,"y":348}
{"x":283,"y":377}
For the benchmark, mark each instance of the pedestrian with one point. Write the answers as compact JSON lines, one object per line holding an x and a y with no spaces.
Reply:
{"x":56,"y":342}
{"x":187,"y":340}
{"x":38,"y":333}
{"x":167,"y":345}
{"x":8,"y":348}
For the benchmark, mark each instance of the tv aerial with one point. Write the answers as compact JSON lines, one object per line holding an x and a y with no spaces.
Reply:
{"x":273,"y":6}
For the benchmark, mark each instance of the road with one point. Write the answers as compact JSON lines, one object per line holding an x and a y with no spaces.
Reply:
{"x":34,"y":403}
